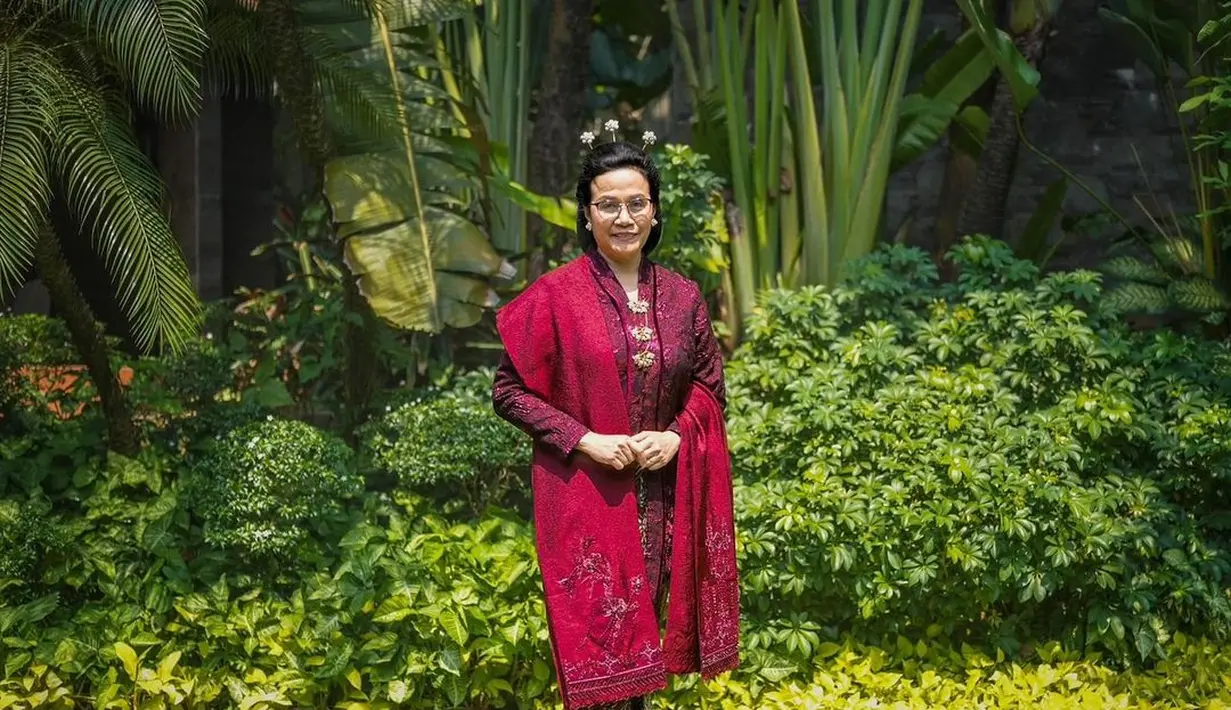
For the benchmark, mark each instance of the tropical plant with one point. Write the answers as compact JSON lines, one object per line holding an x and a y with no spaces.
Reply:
{"x":1184,"y":269}
{"x":1017,"y":53}
{"x":448,"y":443}
{"x":70,"y":164}
{"x":809,"y":184}
{"x":995,"y":455}
{"x":370,"y":113}
{"x":694,"y":237}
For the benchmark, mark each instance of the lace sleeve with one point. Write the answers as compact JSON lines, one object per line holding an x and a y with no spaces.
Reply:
{"x":707,"y":359}
{"x":527,"y":411}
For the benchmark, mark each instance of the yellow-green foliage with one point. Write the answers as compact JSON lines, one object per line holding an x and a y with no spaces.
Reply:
{"x":1196,"y":674}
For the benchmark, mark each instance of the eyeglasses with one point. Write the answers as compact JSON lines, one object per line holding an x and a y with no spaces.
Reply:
{"x":610,"y":207}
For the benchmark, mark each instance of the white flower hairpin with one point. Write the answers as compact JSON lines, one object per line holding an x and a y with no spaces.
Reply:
{"x":648,"y":138}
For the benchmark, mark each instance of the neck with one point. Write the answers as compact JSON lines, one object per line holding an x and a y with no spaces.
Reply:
{"x":625,"y":271}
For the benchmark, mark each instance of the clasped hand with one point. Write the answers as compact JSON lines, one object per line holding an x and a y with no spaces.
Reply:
{"x":650,"y":450}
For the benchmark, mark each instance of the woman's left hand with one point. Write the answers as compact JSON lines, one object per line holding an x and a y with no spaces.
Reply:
{"x":656,"y":449}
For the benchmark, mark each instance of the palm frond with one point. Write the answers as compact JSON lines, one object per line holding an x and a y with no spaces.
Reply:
{"x":237,"y":61}
{"x":24,"y":186}
{"x":360,"y":104}
{"x":115,"y":194}
{"x":157,"y":45}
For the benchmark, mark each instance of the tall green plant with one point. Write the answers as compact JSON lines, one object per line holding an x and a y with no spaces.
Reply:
{"x":809,"y":177}
{"x":484,"y":61}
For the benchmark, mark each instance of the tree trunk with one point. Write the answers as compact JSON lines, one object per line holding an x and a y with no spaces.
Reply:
{"x":984,"y":210}
{"x":306,"y":106}
{"x":122,"y":434}
{"x":561,"y":113}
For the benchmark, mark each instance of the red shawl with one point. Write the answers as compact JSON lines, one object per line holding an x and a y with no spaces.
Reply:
{"x":604,"y":633}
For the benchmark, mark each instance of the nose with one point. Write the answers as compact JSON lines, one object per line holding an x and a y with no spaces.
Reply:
{"x":625,"y":215}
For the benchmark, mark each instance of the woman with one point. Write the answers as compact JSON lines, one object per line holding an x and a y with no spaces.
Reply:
{"x":612,"y":368}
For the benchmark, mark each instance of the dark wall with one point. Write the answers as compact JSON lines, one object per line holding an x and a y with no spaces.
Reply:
{"x":1097,"y":106}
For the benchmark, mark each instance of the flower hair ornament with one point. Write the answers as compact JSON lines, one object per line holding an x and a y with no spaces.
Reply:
{"x":613,"y":126}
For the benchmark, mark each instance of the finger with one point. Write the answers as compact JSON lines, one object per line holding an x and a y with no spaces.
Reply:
{"x":640,"y":436}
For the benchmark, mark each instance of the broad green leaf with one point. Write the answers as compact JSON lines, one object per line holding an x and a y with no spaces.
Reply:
{"x":397,"y":691}
{"x":1023,"y":79}
{"x":369,"y":194}
{"x":455,"y":626}
{"x":1032,"y":244}
{"x":167,"y":666}
{"x":128,"y":657}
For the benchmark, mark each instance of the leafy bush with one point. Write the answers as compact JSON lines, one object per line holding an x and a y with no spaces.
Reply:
{"x":993,"y":455}
{"x":34,"y":339}
{"x":929,"y":674}
{"x":27,"y":537}
{"x":447,"y":440}
{"x":264,"y":486}
{"x":409,"y":610}
{"x":694,"y":227}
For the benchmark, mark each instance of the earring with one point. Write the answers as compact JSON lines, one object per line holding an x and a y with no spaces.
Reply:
{"x":654,"y":222}
{"x":587,"y":226}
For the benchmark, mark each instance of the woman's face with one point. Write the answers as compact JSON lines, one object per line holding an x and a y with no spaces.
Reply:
{"x":621,"y":213}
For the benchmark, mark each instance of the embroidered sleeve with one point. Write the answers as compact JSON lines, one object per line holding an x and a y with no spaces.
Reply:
{"x":527,"y":411}
{"x":707,"y":359}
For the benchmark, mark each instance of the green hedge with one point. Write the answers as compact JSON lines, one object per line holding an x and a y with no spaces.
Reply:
{"x":991,"y":462}
{"x":991,"y":456}
{"x":446,"y":442}
{"x":263,"y":488}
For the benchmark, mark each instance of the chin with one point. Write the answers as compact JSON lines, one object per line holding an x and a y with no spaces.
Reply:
{"x":623,"y":252}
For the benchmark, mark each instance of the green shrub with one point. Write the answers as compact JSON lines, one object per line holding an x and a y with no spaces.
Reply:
{"x":933,"y":675}
{"x":447,"y":441}
{"x":264,"y":486}
{"x":410,"y":610}
{"x":28,"y":535}
{"x":993,"y":455}
{"x":32,"y":339}
{"x":694,"y":227}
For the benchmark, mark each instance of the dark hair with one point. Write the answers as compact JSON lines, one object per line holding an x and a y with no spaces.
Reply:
{"x":605,"y":158}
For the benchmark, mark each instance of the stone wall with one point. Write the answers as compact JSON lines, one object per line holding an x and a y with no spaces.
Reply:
{"x":1098,"y":115}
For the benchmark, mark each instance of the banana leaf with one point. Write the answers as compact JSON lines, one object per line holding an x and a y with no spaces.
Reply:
{"x":375,"y":214}
{"x":420,"y":264}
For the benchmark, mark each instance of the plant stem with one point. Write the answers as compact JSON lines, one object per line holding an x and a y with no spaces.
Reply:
{"x":123,"y":436}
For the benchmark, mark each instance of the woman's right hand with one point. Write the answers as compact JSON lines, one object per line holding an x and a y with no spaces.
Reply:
{"x":611,"y":450}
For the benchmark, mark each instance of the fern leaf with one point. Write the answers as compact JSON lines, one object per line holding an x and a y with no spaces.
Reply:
{"x":156,"y":45}
{"x":115,"y":193}
{"x":237,"y":61}
{"x":24,"y":185}
{"x":1130,"y":268}
{"x":1137,"y":298}
{"x":1199,"y":295}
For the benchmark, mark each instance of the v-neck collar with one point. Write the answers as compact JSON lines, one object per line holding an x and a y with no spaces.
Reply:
{"x":603,"y":270}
